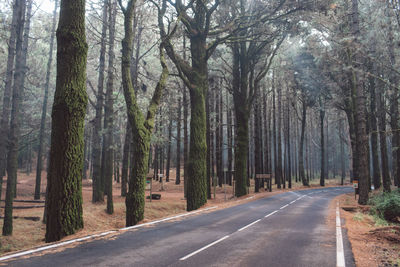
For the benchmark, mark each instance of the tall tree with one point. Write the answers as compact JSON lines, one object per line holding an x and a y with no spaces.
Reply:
{"x":98,"y":184}
{"x":142,"y":127}
{"x":109,"y":109}
{"x":39,"y":164}
{"x":64,"y":198}
{"x":6,"y":109}
{"x":15,"y":123}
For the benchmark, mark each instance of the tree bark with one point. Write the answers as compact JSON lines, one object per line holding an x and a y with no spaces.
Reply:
{"x":98,"y":184}
{"x":142,"y":127}
{"x":321,"y":117}
{"x":17,"y":93}
{"x":109,"y":109}
{"x":178,"y":143}
{"x":64,"y":202}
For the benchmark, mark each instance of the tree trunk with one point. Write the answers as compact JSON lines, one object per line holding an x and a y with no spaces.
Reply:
{"x":342,"y":155}
{"x":109,"y":110}
{"x":360,"y":125}
{"x":279,"y":172}
{"x":301,"y":146}
{"x":98,"y":184}
{"x":17,"y":93}
{"x":5,"y":116}
{"x":374,"y":132}
{"x":125,"y":159}
{"x":141,"y":127}
{"x":64,"y":203}
{"x":178,"y":143}
{"x":382,"y":138}
{"x":169,"y":148}
{"x":39,"y":164}
{"x":321,"y":117}
{"x":208,"y":145}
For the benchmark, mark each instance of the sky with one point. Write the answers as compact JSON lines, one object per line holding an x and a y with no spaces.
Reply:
{"x":46,"y":5}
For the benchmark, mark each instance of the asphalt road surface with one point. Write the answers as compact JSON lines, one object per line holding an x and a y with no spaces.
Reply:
{"x":288,"y":229}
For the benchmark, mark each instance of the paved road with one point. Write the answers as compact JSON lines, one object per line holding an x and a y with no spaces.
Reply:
{"x":288,"y":229}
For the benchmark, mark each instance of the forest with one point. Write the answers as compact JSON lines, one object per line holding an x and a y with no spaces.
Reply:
{"x":207,"y":93}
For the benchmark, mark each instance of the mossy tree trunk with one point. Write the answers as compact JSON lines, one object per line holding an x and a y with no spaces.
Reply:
{"x":64,"y":199}
{"x":125,"y":160}
{"x":142,"y":127}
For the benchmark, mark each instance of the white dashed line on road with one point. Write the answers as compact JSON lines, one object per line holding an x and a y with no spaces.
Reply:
{"x":272,"y":213}
{"x":281,"y":208}
{"x":203,"y":248}
{"x":241,"y":229}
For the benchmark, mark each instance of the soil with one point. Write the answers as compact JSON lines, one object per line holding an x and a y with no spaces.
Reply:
{"x":28,"y":233}
{"x":373,"y":244}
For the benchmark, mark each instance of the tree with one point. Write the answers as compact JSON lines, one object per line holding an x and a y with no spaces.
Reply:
{"x":44,"y":106}
{"x":142,"y":127}
{"x":109,"y":110}
{"x":23,"y":27}
{"x":64,"y":198}
{"x":98,"y":184}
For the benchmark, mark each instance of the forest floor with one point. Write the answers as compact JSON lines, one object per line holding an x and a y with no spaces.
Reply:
{"x":29,"y":232}
{"x":374,"y":242}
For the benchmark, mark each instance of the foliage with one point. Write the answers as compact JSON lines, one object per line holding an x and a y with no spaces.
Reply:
{"x":387,"y":206}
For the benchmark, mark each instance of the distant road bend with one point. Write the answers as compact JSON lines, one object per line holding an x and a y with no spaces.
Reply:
{"x":288,"y":229}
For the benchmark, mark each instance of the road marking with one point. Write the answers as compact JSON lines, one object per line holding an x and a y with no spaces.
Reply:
{"x":293,"y":201}
{"x":272,"y":213}
{"x":166,"y":219}
{"x":203,"y":248}
{"x":294,"y":193}
{"x":23,"y":253}
{"x":27,"y":252}
{"x":241,"y":229}
{"x":281,"y":208}
{"x":339,"y":240}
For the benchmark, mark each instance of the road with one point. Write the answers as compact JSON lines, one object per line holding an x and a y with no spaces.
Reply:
{"x":288,"y":229}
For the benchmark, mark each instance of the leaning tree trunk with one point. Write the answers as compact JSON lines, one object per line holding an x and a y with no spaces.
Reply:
{"x":39,"y":164}
{"x":142,"y":127}
{"x":18,"y":89}
{"x":64,"y":202}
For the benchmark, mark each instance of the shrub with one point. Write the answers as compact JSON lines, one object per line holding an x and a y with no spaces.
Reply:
{"x":387,"y":206}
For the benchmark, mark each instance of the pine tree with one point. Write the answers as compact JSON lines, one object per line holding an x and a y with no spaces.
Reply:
{"x":64,"y":199}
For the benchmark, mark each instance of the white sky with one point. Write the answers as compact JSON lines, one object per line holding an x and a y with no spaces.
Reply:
{"x":46,"y":5}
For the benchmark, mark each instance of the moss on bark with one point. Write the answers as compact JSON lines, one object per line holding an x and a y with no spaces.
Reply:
{"x":64,"y":201}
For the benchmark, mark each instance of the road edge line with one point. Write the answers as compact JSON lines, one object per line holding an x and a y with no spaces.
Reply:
{"x":68,"y":242}
{"x":340,"y":262}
